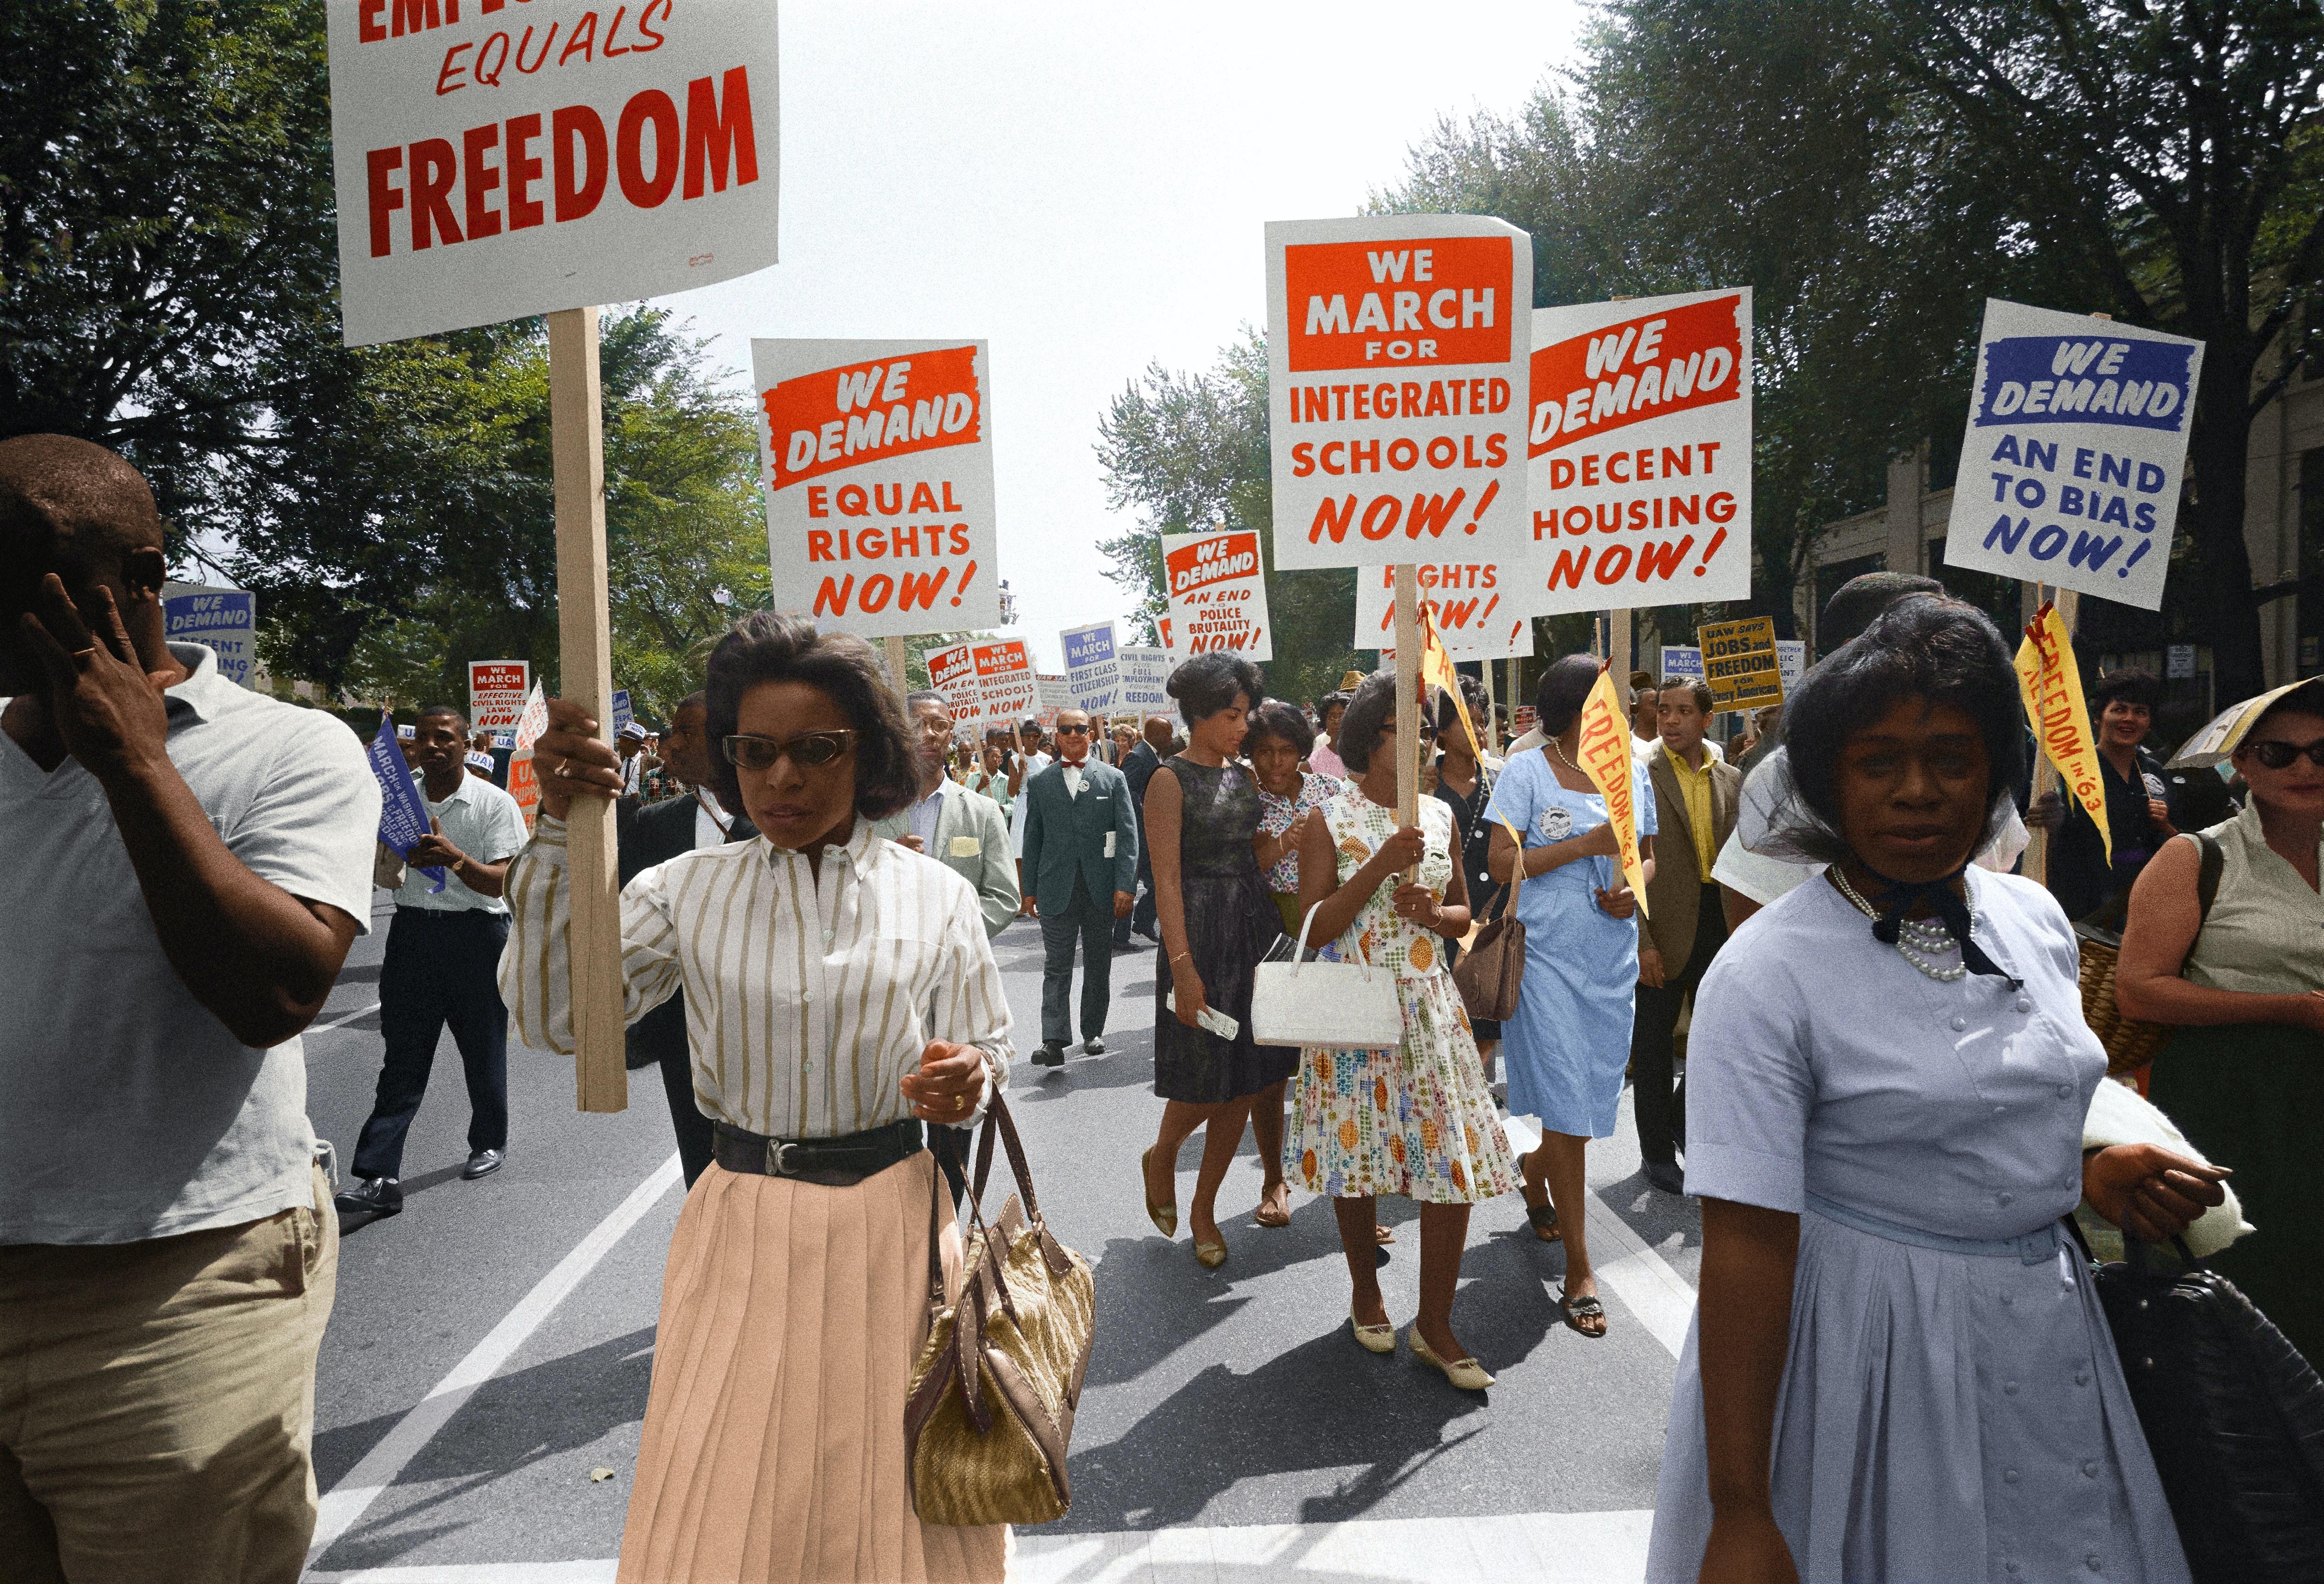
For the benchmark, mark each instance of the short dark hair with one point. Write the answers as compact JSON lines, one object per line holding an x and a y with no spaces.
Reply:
{"x":920,"y":696}
{"x":1275,"y":718}
{"x":766,"y":648}
{"x":1854,"y":603}
{"x":696,"y":700}
{"x":1370,"y":711}
{"x":1564,"y":687}
{"x":1705,"y":701}
{"x":1324,"y":705}
{"x":1209,"y":682}
{"x":1933,"y":648}
{"x":442,"y":709}
{"x":1030,"y":724}
{"x":2131,"y":685}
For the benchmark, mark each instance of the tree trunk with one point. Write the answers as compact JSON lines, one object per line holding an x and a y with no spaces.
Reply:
{"x":2219,"y":452}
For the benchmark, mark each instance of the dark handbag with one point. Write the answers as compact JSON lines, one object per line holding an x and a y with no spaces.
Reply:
{"x":1492,"y":968}
{"x":2232,"y":1415}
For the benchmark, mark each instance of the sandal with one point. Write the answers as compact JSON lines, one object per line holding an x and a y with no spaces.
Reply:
{"x":1264,"y":1216}
{"x":1382,"y":1234}
{"x":1579,"y":1312}
{"x":1542,"y":1218}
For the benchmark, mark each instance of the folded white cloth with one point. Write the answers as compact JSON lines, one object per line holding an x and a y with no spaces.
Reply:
{"x":2119,"y":1114}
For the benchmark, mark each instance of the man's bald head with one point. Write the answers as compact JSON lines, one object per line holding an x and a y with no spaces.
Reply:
{"x":83,"y":513}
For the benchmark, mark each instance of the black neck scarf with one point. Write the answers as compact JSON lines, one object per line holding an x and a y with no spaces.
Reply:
{"x":1895,"y":899}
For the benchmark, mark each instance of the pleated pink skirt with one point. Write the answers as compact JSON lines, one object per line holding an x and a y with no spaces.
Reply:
{"x":773,"y":1448}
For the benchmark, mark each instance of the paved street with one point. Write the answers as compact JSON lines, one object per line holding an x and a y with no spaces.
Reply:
{"x":491,"y":1346}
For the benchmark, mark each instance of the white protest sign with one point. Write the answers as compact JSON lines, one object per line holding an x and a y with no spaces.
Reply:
{"x":952,"y":671}
{"x":1145,"y":678}
{"x":223,"y":620}
{"x":1397,"y":351}
{"x":1055,"y":695}
{"x":1639,"y":442}
{"x":1791,"y":662}
{"x":2075,"y":453}
{"x":1091,"y":673}
{"x":1218,"y":593}
{"x":1468,"y":599}
{"x":494,"y":162}
{"x":497,"y":694}
{"x":1007,"y":692}
{"x":877,"y":461}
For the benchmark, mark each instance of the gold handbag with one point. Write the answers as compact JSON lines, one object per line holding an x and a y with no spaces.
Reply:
{"x":991,"y":1404}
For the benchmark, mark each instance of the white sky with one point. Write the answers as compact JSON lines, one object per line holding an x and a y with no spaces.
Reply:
{"x":1084,"y":188}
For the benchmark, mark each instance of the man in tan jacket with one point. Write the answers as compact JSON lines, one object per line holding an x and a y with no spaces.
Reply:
{"x":1696,"y":798}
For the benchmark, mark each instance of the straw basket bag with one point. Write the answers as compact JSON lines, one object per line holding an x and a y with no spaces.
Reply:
{"x":2130,"y":1043}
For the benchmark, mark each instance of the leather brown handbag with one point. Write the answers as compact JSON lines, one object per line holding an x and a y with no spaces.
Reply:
{"x":1492,"y":967}
{"x":990,"y":1407}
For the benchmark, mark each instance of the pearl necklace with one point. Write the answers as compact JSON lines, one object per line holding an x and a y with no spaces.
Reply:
{"x":1915,"y":935}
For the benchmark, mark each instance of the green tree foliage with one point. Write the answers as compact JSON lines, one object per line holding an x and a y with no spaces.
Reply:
{"x":1188,"y":451}
{"x":450,"y":552}
{"x":1875,"y":169}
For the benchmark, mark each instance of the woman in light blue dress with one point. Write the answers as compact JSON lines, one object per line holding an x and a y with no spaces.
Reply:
{"x":1899,"y":1368}
{"x":1569,"y":1040}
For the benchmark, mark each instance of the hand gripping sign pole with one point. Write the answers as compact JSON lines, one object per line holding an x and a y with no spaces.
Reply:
{"x":585,"y":637}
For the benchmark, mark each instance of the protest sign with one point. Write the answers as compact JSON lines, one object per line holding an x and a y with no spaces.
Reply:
{"x":623,"y":713}
{"x":491,"y":164}
{"x":223,"y":620}
{"x":523,"y":785}
{"x":1604,"y":756}
{"x":2051,"y":683}
{"x":1050,"y":688}
{"x":1523,"y":718}
{"x":876,"y":457}
{"x":1681,"y":661}
{"x":1397,"y":350}
{"x":1791,"y":662}
{"x":1091,"y":673}
{"x":497,"y":694}
{"x":1145,"y":678}
{"x":402,"y":816}
{"x":1006,"y":690}
{"x":1218,"y":593}
{"x":1739,"y":662}
{"x":1639,"y":443}
{"x":1468,"y":601}
{"x":952,"y":671}
{"x":2075,"y":453}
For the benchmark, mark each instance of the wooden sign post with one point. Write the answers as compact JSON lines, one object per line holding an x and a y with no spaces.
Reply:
{"x":1617,"y":658}
{"x":586,"y":650}
{"x":2045,"y":773}
{"x":1408,"y":696}
{"x":894,"y":646}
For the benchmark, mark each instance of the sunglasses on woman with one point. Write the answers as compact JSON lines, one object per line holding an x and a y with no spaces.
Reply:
{"x":809,"y":750}
{"x":2278,"y":755}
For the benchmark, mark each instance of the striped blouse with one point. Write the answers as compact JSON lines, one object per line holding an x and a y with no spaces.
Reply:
{"x":806,"y":1001}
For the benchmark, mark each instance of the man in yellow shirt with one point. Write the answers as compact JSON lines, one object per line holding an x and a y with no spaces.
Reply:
{"x":1695,"y":799}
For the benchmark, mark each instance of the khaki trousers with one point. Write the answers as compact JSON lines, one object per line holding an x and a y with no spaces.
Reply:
{"x":157,"y":1402}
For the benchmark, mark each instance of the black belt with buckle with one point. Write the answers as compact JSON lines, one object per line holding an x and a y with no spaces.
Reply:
{"x":832,"y":1162}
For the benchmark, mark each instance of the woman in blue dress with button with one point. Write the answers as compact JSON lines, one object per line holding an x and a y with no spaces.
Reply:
{"x":1568,"y":1041}
{"x":1899,"y":1368}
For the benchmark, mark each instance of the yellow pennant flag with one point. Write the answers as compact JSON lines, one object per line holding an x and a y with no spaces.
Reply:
{"x":2052,"y":687}
{"x":1605,"y":759}
{"x":1436,"y":670}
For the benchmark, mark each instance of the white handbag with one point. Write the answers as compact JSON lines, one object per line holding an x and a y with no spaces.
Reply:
{"x":1343,"y":1005}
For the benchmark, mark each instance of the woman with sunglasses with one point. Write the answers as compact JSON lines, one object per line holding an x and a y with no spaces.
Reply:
{"x":2244,"y":1077}
{"x":839,"y":991}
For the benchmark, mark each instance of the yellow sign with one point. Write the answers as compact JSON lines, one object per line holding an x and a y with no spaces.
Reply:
{"x":1605,"y":759}
{"x":2051,"y":686}
{"x":1739,"y":662}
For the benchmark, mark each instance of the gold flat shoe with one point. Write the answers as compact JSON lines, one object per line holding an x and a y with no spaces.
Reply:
{"x":1164,"y":1217}
{"x":1465,"y":1373}
{"x":1373,"y":1339}
{"x":1212,"y":1255}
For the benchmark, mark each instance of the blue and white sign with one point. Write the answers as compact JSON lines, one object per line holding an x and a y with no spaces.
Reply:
{"x":403,"y":817}
{"x":2076,"y":452}
{"x":225,"y":619}
{"x":1091,"y":674}
{"x":622,"y":715}
{"x":1682,"y":660}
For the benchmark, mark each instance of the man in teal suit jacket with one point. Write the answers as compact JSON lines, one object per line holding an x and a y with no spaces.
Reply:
{"x":1081,"y":866}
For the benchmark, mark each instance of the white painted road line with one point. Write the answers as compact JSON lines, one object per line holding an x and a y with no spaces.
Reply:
{"x":1524,"y":1548}
{"x":342,"y":1020}
{"x":1640,"y":1277}
{"x":347,"y":1501}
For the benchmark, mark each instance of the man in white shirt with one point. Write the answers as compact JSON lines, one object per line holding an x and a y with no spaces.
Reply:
{"x":442,"y":965}
{"x":630,"y":742}
{"x":960,"y":829}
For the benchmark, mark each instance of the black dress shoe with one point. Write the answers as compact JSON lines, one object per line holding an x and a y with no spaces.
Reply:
{"x":1092,"y":1047}
{"x":1049,"y":1055}
{"x":484,"y":1163}
{"x":1665,"y":1176}
{"x":371,"y":1196}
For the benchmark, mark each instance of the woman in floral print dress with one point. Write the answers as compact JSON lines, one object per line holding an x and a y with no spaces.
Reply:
{"x":1414,"y":1120}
